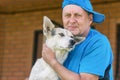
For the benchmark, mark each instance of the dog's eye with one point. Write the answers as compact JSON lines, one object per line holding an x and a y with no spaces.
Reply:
{"x":61,"y":34}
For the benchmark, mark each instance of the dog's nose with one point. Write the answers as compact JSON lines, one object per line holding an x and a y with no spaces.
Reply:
{"x":72,"y":42}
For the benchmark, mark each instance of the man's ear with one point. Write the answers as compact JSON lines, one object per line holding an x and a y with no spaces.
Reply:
{"x":79,"y":39}
{"x":91,"y":18}
{"x":47,"y":26}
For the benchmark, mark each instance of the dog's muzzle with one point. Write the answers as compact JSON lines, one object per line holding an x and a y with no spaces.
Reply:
{"x":72,"y":43}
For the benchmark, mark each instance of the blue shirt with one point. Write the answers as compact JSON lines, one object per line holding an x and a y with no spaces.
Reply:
{"x":92,"y":56}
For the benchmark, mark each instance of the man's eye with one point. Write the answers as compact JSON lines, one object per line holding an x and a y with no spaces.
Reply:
{"x":61,"y":34}
{"x":78,"y":15}
{"x":67,"y":15}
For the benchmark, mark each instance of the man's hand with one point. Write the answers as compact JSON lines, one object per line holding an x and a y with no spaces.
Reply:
{"x":48,"y":55}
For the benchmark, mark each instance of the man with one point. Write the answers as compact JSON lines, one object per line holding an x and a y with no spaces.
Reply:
{"x":91,"y":59}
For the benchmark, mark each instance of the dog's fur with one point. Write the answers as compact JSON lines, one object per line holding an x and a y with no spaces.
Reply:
{"x":61,"y":41}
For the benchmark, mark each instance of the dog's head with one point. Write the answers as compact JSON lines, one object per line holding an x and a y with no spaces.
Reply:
{"x":58,"y":38}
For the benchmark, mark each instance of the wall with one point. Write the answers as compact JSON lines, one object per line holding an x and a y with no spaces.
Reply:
{"x":2,"y":38}
{"x":16,"y":42}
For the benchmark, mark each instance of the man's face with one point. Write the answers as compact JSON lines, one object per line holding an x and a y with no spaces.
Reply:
{"x":76,"y":20}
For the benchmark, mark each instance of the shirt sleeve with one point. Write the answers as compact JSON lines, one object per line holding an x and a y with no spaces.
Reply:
{"x":97,"y":57}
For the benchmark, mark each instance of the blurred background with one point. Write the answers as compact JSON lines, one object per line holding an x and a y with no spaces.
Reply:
{"x":21,"y":33}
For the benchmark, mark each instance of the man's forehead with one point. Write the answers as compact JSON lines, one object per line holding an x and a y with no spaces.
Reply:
{"x":72,"y":9}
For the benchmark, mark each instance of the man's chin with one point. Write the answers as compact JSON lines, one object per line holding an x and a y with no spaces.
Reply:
{"x":75,"y":33}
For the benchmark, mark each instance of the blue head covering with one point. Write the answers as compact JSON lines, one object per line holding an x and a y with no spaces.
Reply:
{"x":87,"y":6}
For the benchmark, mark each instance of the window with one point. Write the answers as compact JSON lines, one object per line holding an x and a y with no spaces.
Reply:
{"x":38,"y":41}
{"x":118,"y":53}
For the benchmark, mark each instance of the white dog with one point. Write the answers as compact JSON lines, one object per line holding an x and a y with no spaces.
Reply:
{"x":61,"y":41}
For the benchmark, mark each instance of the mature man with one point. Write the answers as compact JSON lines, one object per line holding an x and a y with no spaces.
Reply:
{"x":91,"y":59}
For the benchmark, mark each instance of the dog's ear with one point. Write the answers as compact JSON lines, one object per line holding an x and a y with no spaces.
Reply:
{"x":79,"y":39}
{"x":47,"y":26}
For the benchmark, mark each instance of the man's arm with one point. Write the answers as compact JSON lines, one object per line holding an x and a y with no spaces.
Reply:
{"x":62,"y":72}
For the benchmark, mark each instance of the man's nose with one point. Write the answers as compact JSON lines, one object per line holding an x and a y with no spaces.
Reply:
{"x":72,"y":19}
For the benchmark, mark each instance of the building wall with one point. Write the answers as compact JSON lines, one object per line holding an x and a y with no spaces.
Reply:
{"x":16,"y":42}
{"x":2,"y":38}
{"x":17,"y":37}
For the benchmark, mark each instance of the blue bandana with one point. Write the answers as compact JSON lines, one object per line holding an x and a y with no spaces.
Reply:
{"x":87,"y":6}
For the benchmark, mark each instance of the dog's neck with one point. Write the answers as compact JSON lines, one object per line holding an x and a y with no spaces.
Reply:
{"x":61,"y":54}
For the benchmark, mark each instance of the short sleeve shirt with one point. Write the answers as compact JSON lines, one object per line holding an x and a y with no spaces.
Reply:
{"x":91,"y":56}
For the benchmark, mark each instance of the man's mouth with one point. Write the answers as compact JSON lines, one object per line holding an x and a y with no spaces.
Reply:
{"x":71,"y":28}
